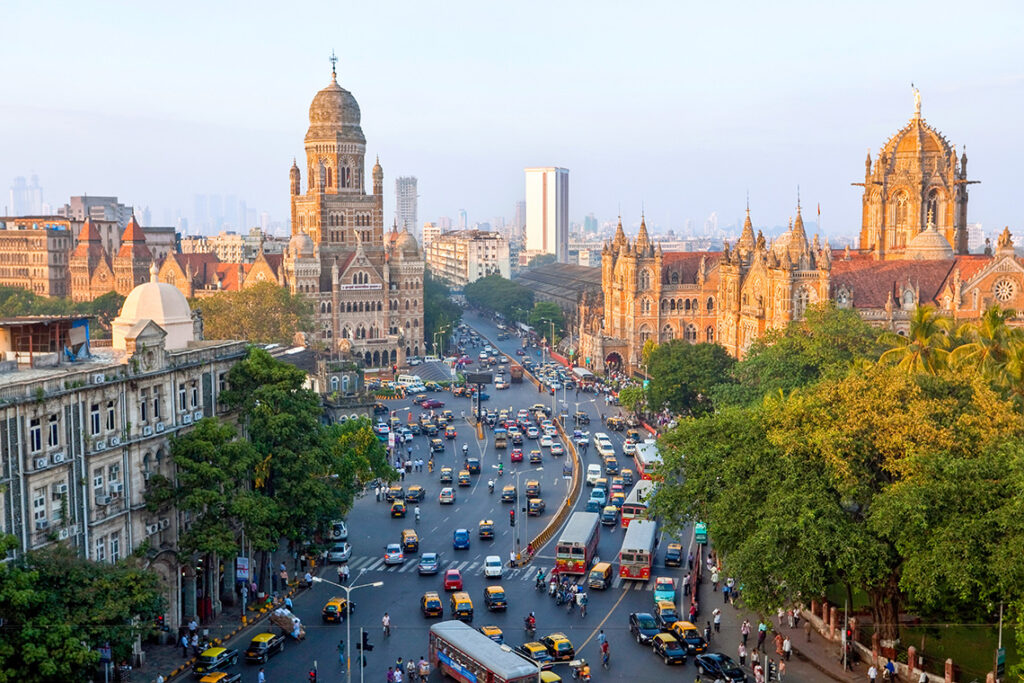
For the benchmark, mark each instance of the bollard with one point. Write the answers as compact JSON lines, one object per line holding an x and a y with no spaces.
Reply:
{"x":948,"y":673}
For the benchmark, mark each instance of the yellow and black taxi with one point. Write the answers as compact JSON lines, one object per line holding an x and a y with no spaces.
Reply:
{"x":398,"y":508}
{"x":473,"y":465}
{"x":394,"y":493}
{"x":415,"y":494}
{"x":447,"y":475}
{"x":665,"y":614}
{"x":494,"y":598}
{"x":221,"y":677}
{"x":537,"y":652}
{"x":627,"y":476}
{"x":550,"y":677}
{"x":559,"y":647}
{"x":464,"y":478}
{"x":611,"y":466}
{"x":430,"y":429}
{"x":436,"y":446}
{"x":486,"y":528}
{"x":410,"y":541}
{"x":462,"y":606}
{"x":536,"y":457}
{"x":449,"y":432}
{"x":674,"y":555}
{"x":535,"y":507}
{"x":431,"y":605}
{"x":493,"y":632}
{"x":532,"y":488}
{"x":263,"y":645}
{"x":669,"y":649}
{"x":214,"y":659}
{"x":686,"y":633}
{"x":508,"y":494}
{"x":447,"y":414}
{"x":336,"y":609}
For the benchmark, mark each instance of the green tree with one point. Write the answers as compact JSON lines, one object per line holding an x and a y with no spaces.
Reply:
{"x":925,"y":348}
{"x":987,"y":344}
{"x":632,"y":398}
{"x":440,"y":313}
{"x":683,"y":376}
{"x":543,"y":314}
{"x":500,"y":295}
{"x":541,"y":260}
{"x":58,"y":608}
{"x":264,"y":314}
{"x":645,"y":353}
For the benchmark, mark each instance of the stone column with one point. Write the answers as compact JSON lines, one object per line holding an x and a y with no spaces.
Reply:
{"x":833,"y":622}
{"x":188,"y":588}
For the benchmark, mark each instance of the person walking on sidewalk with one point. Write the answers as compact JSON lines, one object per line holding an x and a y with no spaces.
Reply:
{"x":714,"y":579}
{"x":261,"y":677}
{"x":184,"y":645}
{"x":725,"y":594}
{"x":787,"y":648}
{"x":716,"y":616}
{"x":745,"y":630}
{"x":872,"y":673}
{"x":376,"y":492}
{"x":762,"y":633}
{"x":807,"y":629}
{"x":778,"y":644}
{"x":782,"y":669}
{"x":742,"y":652}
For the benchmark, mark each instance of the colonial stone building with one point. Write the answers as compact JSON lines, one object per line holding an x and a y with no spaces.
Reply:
{"x":93,"y":273}
{"x":912,"y":251}
{"x":367,"y":287}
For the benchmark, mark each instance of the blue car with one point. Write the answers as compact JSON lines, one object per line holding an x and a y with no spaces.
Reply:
{"x":718,"y":665}
{"x":460,"y":539}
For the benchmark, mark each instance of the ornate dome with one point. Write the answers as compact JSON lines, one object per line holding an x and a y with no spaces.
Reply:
{"x":300,"y":245}
{"x":334,"y":112}
{"x":407,"y":244}
{"x":929,"y":245}
{"x":162,"y":303}
{"x":917,"y":137}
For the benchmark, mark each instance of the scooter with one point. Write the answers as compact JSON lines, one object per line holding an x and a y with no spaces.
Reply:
{"x":490,"y":487}
{"x":580,"y":670}
{"x":530,"y":628}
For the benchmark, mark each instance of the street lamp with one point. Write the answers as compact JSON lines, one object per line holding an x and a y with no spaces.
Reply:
{"x":348,"y":617}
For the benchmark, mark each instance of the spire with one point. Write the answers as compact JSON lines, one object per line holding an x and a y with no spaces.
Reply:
{"x":643,"y":241}
{"x":89,"y":233}
{"x":334,"y":63}
{"x":153,"y":270}
{"x":917,"y":101}
{"x":745,"y":244}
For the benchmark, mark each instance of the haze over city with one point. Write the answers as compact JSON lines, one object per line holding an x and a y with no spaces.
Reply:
{"x":682,"y":108}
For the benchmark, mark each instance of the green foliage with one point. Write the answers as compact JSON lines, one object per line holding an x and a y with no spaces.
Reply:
{"x":632,"y":398}
{"x":500,"y":295}
{"x":58,"y":608}
{"x":647,"y":350}
{"x":440,"y":313}
{"x":541,"y":260}
{"x":543,"y":314}
{"x":683,"y":376}
{"x":264,"y":314}
{"x":925,"y":348}
{"x":15,"y":301}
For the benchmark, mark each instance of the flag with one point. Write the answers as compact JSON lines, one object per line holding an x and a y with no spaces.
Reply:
{"x":819,"y":209}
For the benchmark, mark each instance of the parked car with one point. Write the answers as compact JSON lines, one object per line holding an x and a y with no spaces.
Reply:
{"x":339,"y":552}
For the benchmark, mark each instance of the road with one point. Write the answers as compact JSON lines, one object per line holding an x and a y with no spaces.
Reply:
{"x":371,"y":528}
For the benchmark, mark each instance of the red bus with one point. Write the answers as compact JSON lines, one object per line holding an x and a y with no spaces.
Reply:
{"x":637,"y":552}
{"x":577,"y":545}
{"x":463,"y":653}
{"x":647,"y":460}
{"x":635,"y":505}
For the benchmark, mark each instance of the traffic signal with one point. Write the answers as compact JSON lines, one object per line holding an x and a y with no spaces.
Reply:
{"x":312,"y":676}
{"x":511,"y":517}
{"x":161,"y":625}
{"x":366,"y":646}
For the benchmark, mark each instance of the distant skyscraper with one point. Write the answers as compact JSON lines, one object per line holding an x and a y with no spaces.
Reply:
{"x":200,"y":212}
{"x":547,"y":211}
{"x":520,"y":216}
{"x":405,"y":203}
{"x":444,"y":223}
{"x":463,"y":219}
{"x":590,"y":224}
{"x":26,"y":199}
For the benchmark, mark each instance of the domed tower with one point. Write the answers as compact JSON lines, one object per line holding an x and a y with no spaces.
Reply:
{"x":916,"y":173}
{"x":378,"y":178}
{"x":295,"y":178}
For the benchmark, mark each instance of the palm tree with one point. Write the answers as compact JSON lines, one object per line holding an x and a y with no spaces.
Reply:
{"x":1013,"y":373}
{"x":925,"y":348}
{"x":989,"y":342}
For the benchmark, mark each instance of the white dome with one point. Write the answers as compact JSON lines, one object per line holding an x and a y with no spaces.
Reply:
{"x":162,"y":303}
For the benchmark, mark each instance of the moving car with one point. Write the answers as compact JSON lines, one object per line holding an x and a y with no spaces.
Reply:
{"x":446,"y":475}
{"x":674,"y":555}
{"x":611,"y":466}
{"x":339,"y":552}
{"x":415,"y":493}
{"x":517,"y":455}
{"x":492,"y":567}
{"x":460,"y":539}
{"x":464,"y":478}
{"x":486,"y":529}
{"x":535,"y":507}
{"x":430,"y":605}
{"x":432,"y":403}
{"x":339,"y":531}
{"x":473,"y":465}
{"x":221,"y":677}
{"x":394,"y":493}
{"x":436,"y":446}
{"x":537,"y":652}
{"x":263,"y":645}
{"x":546,"y":441}
{"x":447,"y":496}
{"x":687,"y":633}
{"x":462,"y":606}
{"x":336,"y":609}
{"x":532,"y":488}
{"x":535,"y":457}
{"x":559,"y":647}
{"x":610,"y":515}
{"x":669,"y":649}
{"x":428,"y":564}
{"x":214,"y":659}
{"x":664,"y":589}
{"x":593,"y":473}
{"x":398,"y":508}
{"x":643,"y":627}
{"x":410,"y":541}
{"x":665,"y":614}
{"x":718,"y":665}
{"x":627,"y":477}
{"x":453,"y":580}
{"x":557,"y":449}
{"x":494,"y":598}
{"x":508,"y":494}
{"x":494,"y":633}
{"x":393,"y":554}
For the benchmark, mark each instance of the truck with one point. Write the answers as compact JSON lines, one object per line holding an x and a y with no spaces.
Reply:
{"x":500,"y":438}
{"x":515,"y":372}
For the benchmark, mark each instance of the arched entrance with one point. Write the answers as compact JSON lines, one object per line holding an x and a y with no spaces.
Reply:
{"x":376,"y":359}
{"x":613,"y":361}
{"x":369,"y":360}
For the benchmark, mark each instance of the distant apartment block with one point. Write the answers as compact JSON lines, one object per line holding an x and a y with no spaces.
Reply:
{"x":547,"y":211}
{"x":34,"y":254}
{"x":465,"y":256}
{"x":406,"y":198}
{"x":431,"y":231}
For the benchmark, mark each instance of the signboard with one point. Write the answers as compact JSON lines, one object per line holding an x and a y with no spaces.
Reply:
{"x":104,"y":651}
{"x":479,"y":378}
{"x":362,"y":287}
{"x":242,"y":568}
{"x":1001,"y":661}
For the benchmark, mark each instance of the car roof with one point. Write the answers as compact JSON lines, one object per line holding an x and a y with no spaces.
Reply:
{"x":431,"y":594}
{"x":263,"y":637}
{"x":214,"y":651}
{"x":486,"y":521}
{"x":666,"y":604}
{"x":452,"y":571}
{"x":495,"y":589}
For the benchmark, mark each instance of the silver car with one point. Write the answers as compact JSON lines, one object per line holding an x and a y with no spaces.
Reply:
{"x":339,"y":552}
{"x":393,"y":554}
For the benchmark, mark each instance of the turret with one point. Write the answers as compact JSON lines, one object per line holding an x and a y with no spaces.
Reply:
{"x":643,"y":241}
{"x":378,"y":178}
{"x":295,"y":178}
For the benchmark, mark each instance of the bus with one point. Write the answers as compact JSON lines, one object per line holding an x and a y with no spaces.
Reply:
{"x":647,"y":459}
{"x":637,"y":552}
{"x":463,"y":653}
{"x":635,"y":506}
{"x":577,"y":545}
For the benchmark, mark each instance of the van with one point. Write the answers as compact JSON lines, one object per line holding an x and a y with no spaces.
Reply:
{"x":462,"y":606}
{"x":593,"y":473}
{"x":408,"y":380}
{"x":605,"y":449}
{"x":600,"y":576}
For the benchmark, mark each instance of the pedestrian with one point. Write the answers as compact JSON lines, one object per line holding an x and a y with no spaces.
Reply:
{"x":184,"y":645}
{"x":398,"y":675}
{"x":707,"y":632}
{"x":693,"y":611}
{"x":778,"y":644}
{"x":725,"y":594}
{"x":194,"y":642}
{"x":762,"y":632}
{"x":159,"y":678}
{"x":742,"y":651}
{"x":193,"y":626}
{"x":689,"y":562}
{"x":745,"y":630}
{"x":391,"y":674}
{"x":261,"y":677}
{"x":309,"y":580}
{"x":872,"y":673}
{"x":796,"y":616}
{"x":787,"y":647}
{"x":789,"y":616}
{"x":782,"y":668}
{"x":601,"y":638}
{"x":716,"y":615}
{"x":807,"y":629}
{"x":781,"y":615}
{"x":341,"y":652}
{"x":714,"y":579}
{"x":686,"y":585}
{"x":755,"y":656}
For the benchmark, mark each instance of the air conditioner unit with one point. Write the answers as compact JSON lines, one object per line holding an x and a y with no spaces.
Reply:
{"x":101,"y":445}
{"x":103,"y":500}
{"x":99,"y":378}
{"x":57,"y":457}
{"x":42,"y":524}
{"x":60,"y":489}
{"x":151,"y":529}
{"x":115,"y":441}
{"x":64,"y":534}
{"x":198,"y":415}
{"x":164,"y":523}
{"x":147,"y":431}
{"x":159,"y":427}
{"x":42,"y":463}
{"x":186,"y":419}
{"x":116,"y":488}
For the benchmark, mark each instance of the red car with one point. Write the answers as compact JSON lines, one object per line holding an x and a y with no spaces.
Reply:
{"x":453,"y":580}
{"x":517,"y":455}
{"x":431,"y":403}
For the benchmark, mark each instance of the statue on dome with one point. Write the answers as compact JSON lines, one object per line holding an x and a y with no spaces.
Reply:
{"x":917,"y":100}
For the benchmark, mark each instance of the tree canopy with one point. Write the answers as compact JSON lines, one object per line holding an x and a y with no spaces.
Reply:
{"x":543,"y":314}
{"x":15,"y":301}
{"x":500,"y":295}
{"x":541,"y":260}
{"x":439,"y":311}
{"x":264,"y":314}
{"x":683,"y":376}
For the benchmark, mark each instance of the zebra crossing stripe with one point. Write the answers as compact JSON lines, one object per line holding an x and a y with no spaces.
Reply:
{"x":375,"y":566}
{"x":409,"y":565}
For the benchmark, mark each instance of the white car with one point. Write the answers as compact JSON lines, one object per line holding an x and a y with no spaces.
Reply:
{"x":629,"y":448}
{"x":339,"y":532}
{"x":492,"y":567}
{"x":413,"y":361}
{"x":557,"y":449}
{"x":393,"y":554}
{"x":593,"y":473}
{"x":339,"y":552}
{"x":551,"y":431}
{"x":546,"y":441}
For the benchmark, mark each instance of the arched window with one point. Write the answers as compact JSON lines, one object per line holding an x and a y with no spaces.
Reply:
{"x":709,"y":334}
{"x":664,"y":305}
{"x":330,"y":177}
{"x":645,"y":334}
{"x":344,"y":384}
{"x":666,"y":333}
{"x":334,"y":383}
{"x":932,"y":207}
{"x":711,"y":304}
{"x":801,"y":300}
{"x":691,"y":334}
{"x":674,"y":279}
{"x":686,"y":304}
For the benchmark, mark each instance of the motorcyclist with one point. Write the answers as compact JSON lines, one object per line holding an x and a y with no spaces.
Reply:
{"x":531,"y":622}
{"x":583,"y":671}
{"x":501,"y":469}
{"x":490,"y":485}
{"x":540,"y":579}
{"x":465,"y":449}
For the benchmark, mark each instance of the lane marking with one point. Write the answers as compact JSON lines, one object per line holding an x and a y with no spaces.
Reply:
{"x":601,"y":624}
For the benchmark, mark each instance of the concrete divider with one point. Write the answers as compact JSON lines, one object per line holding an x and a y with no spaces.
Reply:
{"x":570,"y":501}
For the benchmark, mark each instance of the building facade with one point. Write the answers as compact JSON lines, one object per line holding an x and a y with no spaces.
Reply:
{"x":406,"y":203}
{"x":547,"y":211}
{"x":367,"y":287}
{"x":34,"y":254}
{"x":431,"y":231}
{"x":94,"y":273}
{"x":465,"y":256}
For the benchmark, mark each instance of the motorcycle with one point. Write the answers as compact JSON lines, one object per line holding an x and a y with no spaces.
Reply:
{"x":580,"y":670}
{"x":552,"y":587}
{"x":539,"y":582}
{"x":530,"y":626}
{"x":490,"y":487}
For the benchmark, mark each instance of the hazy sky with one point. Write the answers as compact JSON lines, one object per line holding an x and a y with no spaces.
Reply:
{"x":680,"y":106}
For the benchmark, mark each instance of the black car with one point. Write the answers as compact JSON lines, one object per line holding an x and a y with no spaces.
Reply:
{"x":264,"y":645}
{"x":415,"y":428}
{"x":643,"y":627}
{"x":717,"y":664}
{"x":379,"y":409}
{"x":214,"y":659}
{"x":430,"y":429}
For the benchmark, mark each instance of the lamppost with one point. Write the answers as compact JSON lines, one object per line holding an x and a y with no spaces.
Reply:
{"x":348,"y":617}
{"x":516,"y":540}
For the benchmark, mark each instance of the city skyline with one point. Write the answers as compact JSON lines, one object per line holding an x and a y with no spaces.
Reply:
{"x":767,"y":100}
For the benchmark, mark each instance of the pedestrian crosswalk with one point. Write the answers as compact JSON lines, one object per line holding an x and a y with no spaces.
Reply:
{"x":370,"y":563}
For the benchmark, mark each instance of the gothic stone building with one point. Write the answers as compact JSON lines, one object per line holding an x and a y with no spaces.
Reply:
{"x":912,"y":251}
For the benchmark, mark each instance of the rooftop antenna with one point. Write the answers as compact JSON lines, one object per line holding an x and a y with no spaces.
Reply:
{"x":334,"y":61}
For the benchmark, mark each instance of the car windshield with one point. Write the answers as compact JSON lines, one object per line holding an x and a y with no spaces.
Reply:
{"x":498,"y":595}
{"x":207,"y":659}
{"x":646,"y":621}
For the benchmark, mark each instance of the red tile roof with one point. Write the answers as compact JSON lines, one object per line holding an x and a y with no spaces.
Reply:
{"x":871,"y":281}
{"x":686,"y":263}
